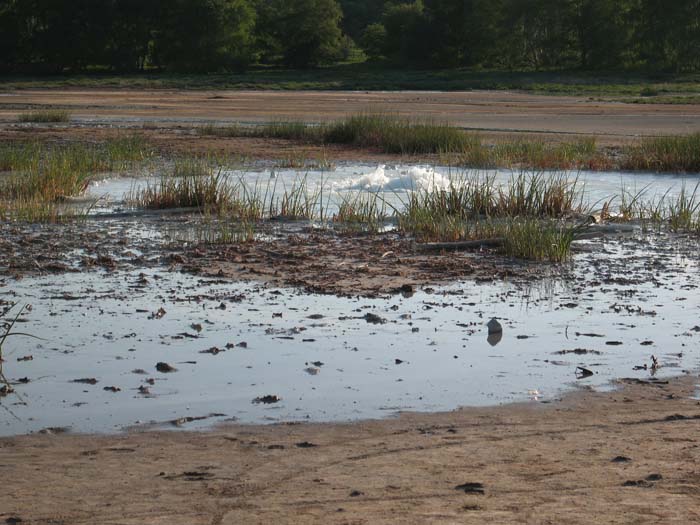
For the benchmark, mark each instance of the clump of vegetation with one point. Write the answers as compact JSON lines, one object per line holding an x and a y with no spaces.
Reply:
{"x":527,"y":218}
{"x":394,"y":134}
{"x":380,"y":131}
{"x":538,"y":240}
{"x":674,"y":153}
{"x":362,"y":211}
{"x":44,"y":175}
{"x":538,"y":154}
{"x":45,"y":116}
{"x":192,"y":184}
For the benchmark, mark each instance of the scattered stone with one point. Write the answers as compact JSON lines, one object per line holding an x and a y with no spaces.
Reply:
{"x":356,"y":493}
{"x":579,"y":351}
{"x":494,"y":327}
{"x":398,"y":361}
{"x":373,"y":318}
{"x":213,"y":350}
{"x":86,"y":381}
{"x":471,"y":488}
{"x":165,"y":368}
{"x":613,"y":343}
{"x":312,"y":371}
{"x":25,"y":358}
{"x":582,"y":372}
{"x":306,"y":444}
{"x":620,"y":459}
{"x":5,"y":390}
{"x":159,"y":314}
{"x":267,"y":400}
{"x":112,"y":389}
{"x":53,"y":430}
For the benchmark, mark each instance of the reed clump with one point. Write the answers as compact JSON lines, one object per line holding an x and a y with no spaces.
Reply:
{"x":531,"y":216}
{"x":192,"y":183}
{"x":45,"y":116}
{"x":679,"y":153}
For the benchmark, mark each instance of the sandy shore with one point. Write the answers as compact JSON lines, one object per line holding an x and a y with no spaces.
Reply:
{"x":630,"y":456}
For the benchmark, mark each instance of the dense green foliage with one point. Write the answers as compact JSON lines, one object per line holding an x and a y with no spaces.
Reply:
{"x":228,"y":35}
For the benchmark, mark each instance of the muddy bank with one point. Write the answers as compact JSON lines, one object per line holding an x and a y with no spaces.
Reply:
{"x":629,"y":456}
{"x":315,"y":260}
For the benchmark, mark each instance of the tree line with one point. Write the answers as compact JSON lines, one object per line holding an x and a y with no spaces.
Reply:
{"x":230,"y":35}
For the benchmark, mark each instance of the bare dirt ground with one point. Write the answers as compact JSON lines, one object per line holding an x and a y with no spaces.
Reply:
{"x":487,"y":111}
{"x":630,"y":456}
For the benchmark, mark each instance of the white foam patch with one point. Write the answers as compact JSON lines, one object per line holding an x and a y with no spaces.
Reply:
{"x":414,"y":178}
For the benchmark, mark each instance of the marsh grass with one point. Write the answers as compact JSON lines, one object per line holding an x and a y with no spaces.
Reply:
{"x":362,"y":211}
{"x":192,"y":190}
{"x":531,"y":216}
{"x":384,"y":132}
{"x":221,"y":228}
{"x":45,"y":116}
{"x":43,"y":175}
{"x":395,"y":134}
{"x":683,"y":211}
{"x":297,"y":202}
{"x":538,"y":240}
{"x":674,"y":153}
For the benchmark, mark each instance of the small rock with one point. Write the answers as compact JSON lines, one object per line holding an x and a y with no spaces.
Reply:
{"x":471,"y":488}
{"x":86,"y":381}
{"x":620,"y":459}
{"x":165,"y":368}
{"x":267,"y":400}
{"x":494,"y":327}
{"x":373,"y":318}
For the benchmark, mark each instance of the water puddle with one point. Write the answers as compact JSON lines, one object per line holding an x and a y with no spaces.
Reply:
{"x":250,"y":353}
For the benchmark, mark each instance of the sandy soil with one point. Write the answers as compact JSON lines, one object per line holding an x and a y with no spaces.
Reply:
{"x":630,"y":456}
{"x":496,"y":111}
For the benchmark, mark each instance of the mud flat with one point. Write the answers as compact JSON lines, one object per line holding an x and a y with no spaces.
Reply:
{"x":171,"y":111}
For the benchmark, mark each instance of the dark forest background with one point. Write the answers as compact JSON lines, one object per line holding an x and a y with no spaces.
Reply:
{"x":59,"y":36}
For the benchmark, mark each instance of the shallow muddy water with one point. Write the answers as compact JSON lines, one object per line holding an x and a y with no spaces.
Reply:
{"x":323,"y":358}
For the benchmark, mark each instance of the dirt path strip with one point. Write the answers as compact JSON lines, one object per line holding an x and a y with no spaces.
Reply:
{"x":629,"y":456}
{"x":489,"y":111}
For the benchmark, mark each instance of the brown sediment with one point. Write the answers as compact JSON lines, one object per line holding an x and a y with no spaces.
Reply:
{"x":490,"y":111}
{"x":628,"y":456}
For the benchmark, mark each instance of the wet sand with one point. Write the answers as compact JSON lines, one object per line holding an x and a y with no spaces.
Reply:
{"x":630,"y":456}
